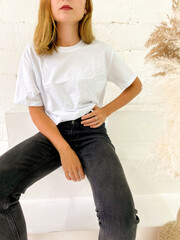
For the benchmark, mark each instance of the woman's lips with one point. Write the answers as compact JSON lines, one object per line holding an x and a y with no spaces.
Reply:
{"x":66,"y":8}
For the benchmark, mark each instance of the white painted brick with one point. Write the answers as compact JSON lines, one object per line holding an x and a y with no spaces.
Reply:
{"x":126,"y":56}
{"x":7,"y":83}
{"x":15,"y":35}
{"x":150,"y":11}
{"x":8,"y":35}
{"x":101,"y":31}
{"x":6,"y":103}
{"x":24,"y":34}
{"x":112,"y":11}
{"x":18,"y":11}
{"x":7,"y":66}
{"x":129,"y":36}
{"x":137,"y":57}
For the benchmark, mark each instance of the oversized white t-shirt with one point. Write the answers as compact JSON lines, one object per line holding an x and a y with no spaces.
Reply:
{"x":70,"y":82}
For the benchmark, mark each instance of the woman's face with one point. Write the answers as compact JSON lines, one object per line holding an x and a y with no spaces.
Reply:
{"x":74,"y":15}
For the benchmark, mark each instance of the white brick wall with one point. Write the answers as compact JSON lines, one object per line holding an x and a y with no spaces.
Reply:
{"x":126,"y":25}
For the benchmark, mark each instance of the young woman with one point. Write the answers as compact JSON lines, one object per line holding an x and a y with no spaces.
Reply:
{"x":62,"y":78}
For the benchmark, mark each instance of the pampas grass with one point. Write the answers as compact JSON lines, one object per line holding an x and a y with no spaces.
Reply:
{"x":164,"y":58}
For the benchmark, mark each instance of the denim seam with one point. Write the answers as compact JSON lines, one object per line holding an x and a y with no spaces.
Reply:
{"x":16,"y":232}
{"x":99,"y":202}
{"x":7,"y":202}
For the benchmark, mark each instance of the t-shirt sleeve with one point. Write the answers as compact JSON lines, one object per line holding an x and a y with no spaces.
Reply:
{"x":26,"y":91}
{"x":118,"y":71}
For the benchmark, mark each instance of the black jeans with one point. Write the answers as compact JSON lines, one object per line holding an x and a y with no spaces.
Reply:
{"x":36,"y":157}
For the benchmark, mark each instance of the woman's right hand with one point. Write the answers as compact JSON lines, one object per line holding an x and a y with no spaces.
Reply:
{"x":71,"y":165}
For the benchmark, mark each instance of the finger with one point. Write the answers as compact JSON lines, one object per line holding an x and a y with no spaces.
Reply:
{"x":94,"y":123}
{"x":67,"y":174}
{"x":76,"y":173}
{"x":81,"y":172}
{"x":73,"y":175}
{"x":89,"y":115}
{"x":95,"y":126}
{"x":89,"y":122}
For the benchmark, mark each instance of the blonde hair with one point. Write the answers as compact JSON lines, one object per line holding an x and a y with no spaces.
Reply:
{"x":45,"y":35}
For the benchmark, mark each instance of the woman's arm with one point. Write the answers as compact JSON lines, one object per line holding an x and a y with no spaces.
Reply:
{"x":47,"y":127}
{"x":70,"y":161}
{"x":125,"y":97}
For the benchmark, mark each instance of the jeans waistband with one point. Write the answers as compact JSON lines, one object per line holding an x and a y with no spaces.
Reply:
{"x":78,"y":120}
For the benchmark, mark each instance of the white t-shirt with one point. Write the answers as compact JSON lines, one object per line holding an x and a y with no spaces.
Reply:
{"x":71,"y":82}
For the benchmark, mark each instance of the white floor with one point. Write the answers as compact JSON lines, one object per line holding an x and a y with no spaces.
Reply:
{"x":143,"y":233}
{"x":65,"y":235}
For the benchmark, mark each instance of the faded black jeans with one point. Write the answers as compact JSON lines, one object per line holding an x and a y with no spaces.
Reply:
{"x":36,"y":157}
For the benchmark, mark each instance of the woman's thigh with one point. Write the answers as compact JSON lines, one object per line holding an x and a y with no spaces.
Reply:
{"x":26,"y":163}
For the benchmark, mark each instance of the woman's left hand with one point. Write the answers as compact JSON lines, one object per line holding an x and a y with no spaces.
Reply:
{"x":95,"y":118}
